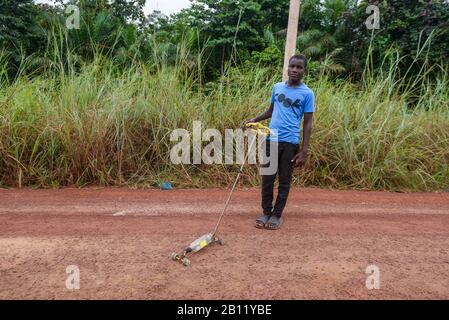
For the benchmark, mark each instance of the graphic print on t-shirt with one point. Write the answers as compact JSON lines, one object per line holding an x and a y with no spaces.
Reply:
{"x":287,"y":102}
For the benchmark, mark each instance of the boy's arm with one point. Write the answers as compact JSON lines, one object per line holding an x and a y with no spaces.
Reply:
{"x":300,"y":158}
{"x":266,"y":115}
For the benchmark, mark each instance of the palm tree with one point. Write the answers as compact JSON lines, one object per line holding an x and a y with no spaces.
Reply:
{"x":321,"y":46}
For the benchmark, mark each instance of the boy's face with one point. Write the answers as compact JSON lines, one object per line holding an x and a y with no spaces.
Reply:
{"x":296,"y":69}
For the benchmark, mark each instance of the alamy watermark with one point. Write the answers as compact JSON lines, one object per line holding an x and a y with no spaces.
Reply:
{"x":189,"y":148}
{"x":373,"y":279}
{"x":72,"y":21}
{"x":73,"y":280}
{"x":373,"y":21}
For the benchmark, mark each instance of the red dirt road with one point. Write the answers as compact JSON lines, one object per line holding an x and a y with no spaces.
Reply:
{"x":121,"y":241}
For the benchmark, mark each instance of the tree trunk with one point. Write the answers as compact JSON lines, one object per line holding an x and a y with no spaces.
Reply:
{"x":292,"y":33}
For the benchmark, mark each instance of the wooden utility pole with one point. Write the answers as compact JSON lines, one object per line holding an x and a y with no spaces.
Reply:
{"x":292,"y":33}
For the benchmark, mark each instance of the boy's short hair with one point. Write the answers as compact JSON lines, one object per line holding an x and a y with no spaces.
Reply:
{"x":299,"y":57}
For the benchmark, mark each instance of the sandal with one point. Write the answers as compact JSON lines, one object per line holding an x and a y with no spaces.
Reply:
{"x":262,"y":220}
{"x":274,"y":223}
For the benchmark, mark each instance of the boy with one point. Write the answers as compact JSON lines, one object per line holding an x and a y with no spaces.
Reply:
{"x":290,"y":101}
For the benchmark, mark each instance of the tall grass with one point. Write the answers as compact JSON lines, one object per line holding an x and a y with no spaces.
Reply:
{"x":102,"y":126}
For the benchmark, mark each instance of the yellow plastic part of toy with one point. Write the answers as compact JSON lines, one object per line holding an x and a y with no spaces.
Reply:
{"x":203,"y":243}
{"x":260,"y":128}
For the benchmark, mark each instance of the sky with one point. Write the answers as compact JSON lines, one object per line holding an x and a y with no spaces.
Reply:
{"x":166,"y":6}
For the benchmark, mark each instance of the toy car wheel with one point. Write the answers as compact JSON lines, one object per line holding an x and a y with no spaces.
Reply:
{"x":185,"y":262}
{"x":221,"y":241}
{"x":173,"y":256}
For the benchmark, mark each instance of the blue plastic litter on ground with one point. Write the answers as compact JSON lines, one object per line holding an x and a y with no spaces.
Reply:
{"x":166,"y":186}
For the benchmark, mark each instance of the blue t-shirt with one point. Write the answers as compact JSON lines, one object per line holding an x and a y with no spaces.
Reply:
{"x":290,"y":103}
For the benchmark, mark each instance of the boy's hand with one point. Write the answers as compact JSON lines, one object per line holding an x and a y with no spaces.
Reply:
{"x":245,"y":122}
{"x":299,"y":159}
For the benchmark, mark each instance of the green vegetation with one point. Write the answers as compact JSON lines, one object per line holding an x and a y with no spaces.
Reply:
{"x":96,"y":106}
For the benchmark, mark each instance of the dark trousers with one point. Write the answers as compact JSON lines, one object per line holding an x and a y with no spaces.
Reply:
{"x":286,"y":152}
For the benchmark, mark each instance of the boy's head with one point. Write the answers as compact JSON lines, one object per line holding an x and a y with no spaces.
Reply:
{"x":297,"y":66}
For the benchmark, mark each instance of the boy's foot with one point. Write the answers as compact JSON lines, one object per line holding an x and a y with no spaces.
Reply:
{"x":262,"y":220}
{"x":274,"y":222}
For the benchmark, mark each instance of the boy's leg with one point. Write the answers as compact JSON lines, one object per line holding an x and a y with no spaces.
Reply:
{"x":285,"y":177}
{"x":267,"y":193}
{"x":268,"y":186}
